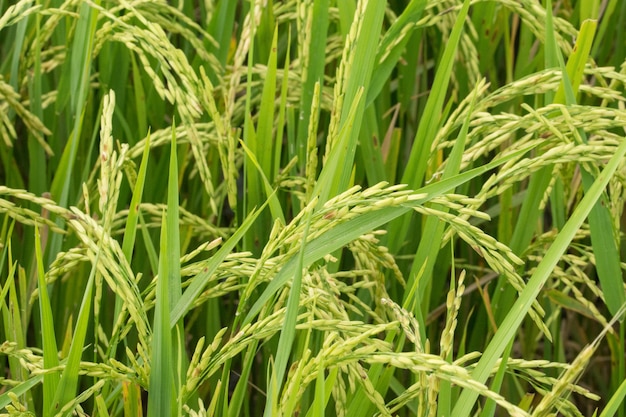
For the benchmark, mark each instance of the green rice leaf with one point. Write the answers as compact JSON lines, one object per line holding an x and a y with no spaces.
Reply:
{"x":431,"y":119}
{"x":346,"y":232}
{"x":199,"y":281}
{"x":265,"y":127}
{"x":616,"y":402}
{"x":68,"y":384}
{"x":78,"y":79}
{"x":102,"y":407}
{"x":603,"y":240}
{"x":50,"y":350}
{"x":21,"y":389}
{"x":520,"y":308}
{"x":275,"y":207}
{"x":167,"y":351}
{"x":288,"y":331}
{"x":324,"y":187}
{"x":130,"y":230}
{"x":391,"y":49}
{"x":315,"y":39}
{"x":429,"y":248}
{"x":356,"y":76}
{"x":161,"y":389}
{"x":577,"y":60}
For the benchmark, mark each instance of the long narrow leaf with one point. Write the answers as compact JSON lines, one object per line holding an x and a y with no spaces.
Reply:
{"x":50,"y":350}
{"x":199,"y":281}
{"x":288,"y":332}
{"x":68,"y":383}
{"x":420,"y":151}
{"x":346,"y":232}
{"x":357,"y":75}
{"x":160,"y":394}
{"x":315,"y":39}
{"x":167,"y":351}
{"x":519,"y":310}
{"x":603,"y":240}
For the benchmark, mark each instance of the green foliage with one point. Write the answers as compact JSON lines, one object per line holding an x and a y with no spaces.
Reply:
{"x":312,"y":207}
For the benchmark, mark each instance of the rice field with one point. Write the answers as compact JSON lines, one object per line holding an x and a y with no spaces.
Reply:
{"x":312,"y":208}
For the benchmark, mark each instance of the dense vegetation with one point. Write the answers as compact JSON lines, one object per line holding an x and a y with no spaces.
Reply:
{"x":312,"y":207}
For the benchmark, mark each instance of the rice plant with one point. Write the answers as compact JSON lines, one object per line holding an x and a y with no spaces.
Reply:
{"x":312,"y":208}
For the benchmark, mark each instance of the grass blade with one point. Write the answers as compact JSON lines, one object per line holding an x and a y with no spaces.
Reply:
{"x":356,"y":74}
{"x":577,"y":60}
{"x":161,"y":389}
{"x":80,"y":70}
{"x":66,"y":390}
{"x":315,"y":42}
{"x":430,"y":121}
{"x":346,"y":232}
{"x":130,"y":230}
{"x":265,"y":137}
{"x":518,"y":311}
{"x":391,"y":49}
{"x":429,"y":248}
{"x":416,"y":167}
{"x":199,"y":281}
{"x":167,"y":352}
{"x":288,"y":332}
{"x":324,"y":185}
{"x":21,"y":389}
{"x":603,"y":240}
{"x":50,"y":350}
{"x":275,"y":207}
{"x":617,"y":400}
